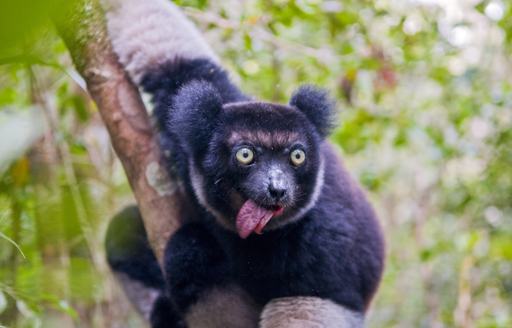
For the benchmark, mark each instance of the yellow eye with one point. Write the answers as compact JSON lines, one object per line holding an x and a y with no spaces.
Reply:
{"x":244,"y":156}
{"x":297,"y":157}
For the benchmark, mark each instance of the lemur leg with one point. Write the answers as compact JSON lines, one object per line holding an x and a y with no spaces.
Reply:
{"x":198,"y":275}
{"x":148,"y":33}
{"x":308,"y":312}
{"x":136,"y":269}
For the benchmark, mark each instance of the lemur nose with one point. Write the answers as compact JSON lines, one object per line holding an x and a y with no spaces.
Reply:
{"x":277,"y":186}
{"x":276,"y":192}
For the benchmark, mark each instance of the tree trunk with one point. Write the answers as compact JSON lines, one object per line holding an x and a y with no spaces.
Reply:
{"x":82,"y":26}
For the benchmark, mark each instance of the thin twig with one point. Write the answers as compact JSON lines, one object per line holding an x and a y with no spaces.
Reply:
{"x":325,"y":55}
{"x":4,"y":236}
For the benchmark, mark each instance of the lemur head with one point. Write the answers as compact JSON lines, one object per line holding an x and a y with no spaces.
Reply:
{"x":253,"y":164}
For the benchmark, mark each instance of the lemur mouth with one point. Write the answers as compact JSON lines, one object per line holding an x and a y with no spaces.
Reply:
{"x":253,"y":218}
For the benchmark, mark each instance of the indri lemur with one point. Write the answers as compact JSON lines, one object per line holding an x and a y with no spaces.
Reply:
{"x":276,"y":214}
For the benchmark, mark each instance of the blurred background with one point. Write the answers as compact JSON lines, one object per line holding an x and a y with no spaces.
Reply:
{"x":424,"y":88}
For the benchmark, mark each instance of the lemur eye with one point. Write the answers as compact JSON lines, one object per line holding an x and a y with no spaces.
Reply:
{"x":245,"y":156}
{"x":297,"y":157}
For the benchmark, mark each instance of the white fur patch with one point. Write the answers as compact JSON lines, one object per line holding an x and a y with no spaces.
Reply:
{"x":227,"y":307}
{"x":148,"y":33}
{"x":198,"y":185}
{"x":308,"y":312}
{"x":141,"y":296}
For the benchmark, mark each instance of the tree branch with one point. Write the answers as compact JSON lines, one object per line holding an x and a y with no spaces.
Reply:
{"x":81,"y":24}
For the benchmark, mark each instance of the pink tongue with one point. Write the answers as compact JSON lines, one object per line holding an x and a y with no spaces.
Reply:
{"x":252,"y":218}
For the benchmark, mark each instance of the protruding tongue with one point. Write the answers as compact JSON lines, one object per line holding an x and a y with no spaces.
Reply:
{"x":253,"y":218}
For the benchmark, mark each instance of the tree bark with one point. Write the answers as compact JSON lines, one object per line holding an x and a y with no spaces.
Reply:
{"x":81,"y":24}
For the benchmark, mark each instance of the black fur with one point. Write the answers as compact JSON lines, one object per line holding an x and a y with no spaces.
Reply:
{"x":195,"y":110}
{"x":166,"y":81}
{"x":334,"y":251}
{"x":129,"y":253}
{"x":128,"y":249}
{"x":194,"y":262}
{"x":317,"y":106}
{"x":163,"y":314}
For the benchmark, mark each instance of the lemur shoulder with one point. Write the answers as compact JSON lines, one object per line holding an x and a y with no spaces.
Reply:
{"x":275,"y":213}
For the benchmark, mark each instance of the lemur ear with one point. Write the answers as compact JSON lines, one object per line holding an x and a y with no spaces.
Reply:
{"x":194,"y":113}
{"x":318,"y":107}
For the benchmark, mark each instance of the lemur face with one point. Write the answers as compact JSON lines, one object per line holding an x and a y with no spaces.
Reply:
{"x":263,"y":166}
{"x":255,"y":166}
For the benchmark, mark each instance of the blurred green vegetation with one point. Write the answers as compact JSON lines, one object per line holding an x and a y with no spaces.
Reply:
{"x":424,"y":89}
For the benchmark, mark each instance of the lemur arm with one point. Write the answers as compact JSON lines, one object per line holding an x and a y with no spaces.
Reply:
{"x":148,"y":33}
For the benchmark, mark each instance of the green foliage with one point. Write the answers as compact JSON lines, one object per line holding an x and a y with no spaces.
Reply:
{"x":425,"y":100}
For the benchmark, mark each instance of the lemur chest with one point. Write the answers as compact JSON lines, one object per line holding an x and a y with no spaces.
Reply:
{"x":279,"y":265}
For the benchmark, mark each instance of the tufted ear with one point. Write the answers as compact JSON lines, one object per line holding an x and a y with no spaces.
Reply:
{"x":318,"y":107}
{"x":194,"y":114}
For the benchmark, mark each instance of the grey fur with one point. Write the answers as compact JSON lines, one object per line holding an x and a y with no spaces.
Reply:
{"x":228,"y":307}
{"x":141,"y":296}
{"x":308,"y":312}
{"x":148,"y":33}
